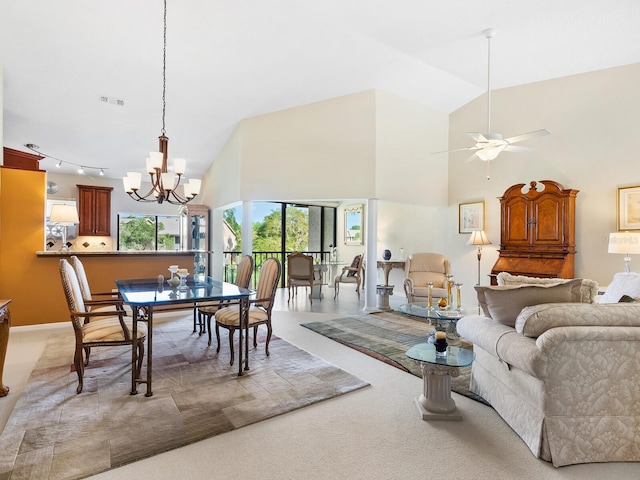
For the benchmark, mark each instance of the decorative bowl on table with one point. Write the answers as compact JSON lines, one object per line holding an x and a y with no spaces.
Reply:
{"x":183,"y":273}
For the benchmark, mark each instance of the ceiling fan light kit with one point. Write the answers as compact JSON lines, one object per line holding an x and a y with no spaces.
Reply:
{"x":489,"y":145}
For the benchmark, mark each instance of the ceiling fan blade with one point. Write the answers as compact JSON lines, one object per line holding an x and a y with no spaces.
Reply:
{"x":526,"y":136}
{"x":516,"y":148}
{"x":472,"y":157}
{"x":478,"y":137}
{"x":457,"y":150}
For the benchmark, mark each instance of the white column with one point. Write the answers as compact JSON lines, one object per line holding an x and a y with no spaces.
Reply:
{"x":247,"y":228}
{"x":371,"y":273}
{"x":216,"y":230}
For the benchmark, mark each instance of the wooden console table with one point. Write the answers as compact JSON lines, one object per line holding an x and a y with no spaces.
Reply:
{"x":5,"y":323}
{"x":387,"y":265}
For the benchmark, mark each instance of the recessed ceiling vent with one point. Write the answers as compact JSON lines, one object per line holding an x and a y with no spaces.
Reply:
{"x":111,"y":100}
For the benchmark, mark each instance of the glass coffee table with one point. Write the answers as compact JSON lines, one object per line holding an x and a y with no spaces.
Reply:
{"x":442,"y":319}
{"x":435,"y":402}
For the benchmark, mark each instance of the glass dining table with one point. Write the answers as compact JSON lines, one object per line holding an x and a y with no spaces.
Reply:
{"x":145,"y":294}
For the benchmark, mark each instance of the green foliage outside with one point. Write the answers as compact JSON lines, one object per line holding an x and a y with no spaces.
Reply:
{"x":267,"y":235}
{"x":230,"y":218}
{"x":139,"y":233}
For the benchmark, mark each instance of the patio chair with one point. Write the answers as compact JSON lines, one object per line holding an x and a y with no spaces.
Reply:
{"x":300,"y":273}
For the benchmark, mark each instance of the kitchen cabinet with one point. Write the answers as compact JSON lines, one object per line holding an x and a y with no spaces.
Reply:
{"x":537,"y":231}
{"x":94,"y":210}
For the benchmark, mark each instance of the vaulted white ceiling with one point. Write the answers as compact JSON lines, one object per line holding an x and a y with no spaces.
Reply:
{"x":232,"y":59}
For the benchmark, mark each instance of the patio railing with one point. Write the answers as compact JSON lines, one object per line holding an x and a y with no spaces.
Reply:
{"x":231,"y":260}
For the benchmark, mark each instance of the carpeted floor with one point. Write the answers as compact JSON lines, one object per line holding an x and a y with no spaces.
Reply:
{"x":54,"y":433}
{"x":387,"y":336}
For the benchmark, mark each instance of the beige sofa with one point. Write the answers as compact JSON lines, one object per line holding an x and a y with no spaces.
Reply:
{"x":564,"y":375}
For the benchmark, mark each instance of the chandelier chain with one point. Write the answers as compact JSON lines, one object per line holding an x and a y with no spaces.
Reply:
{"x":164,"y":68}
{"x":164,"y":184}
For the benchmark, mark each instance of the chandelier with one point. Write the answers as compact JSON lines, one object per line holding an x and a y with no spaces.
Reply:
{"x":164,"y":184}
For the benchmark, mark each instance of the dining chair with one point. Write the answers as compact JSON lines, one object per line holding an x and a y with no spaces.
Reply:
{"x":300,"y":273}
{"x":96,"y":328}
{"x":104,"y":300}
{"x":351,"y":274}
{"x":260,"y":308}
{"x":243,"y":280}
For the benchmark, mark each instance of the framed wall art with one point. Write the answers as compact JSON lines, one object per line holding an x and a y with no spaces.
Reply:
{"x":354,"y":225}
{"x":629,"y":208}
{"x":470,"y":217}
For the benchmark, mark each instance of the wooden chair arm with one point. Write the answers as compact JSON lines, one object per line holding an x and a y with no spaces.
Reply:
{"x":102,"y":313}
{"x":104,"y":302}
{"x":115,"y":294}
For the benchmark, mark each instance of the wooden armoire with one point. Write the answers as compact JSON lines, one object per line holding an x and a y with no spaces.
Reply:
{"x":537,"y":231}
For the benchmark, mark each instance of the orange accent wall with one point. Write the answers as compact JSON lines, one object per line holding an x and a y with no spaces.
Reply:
{"x":22,"y":204}
{"x":32,"y":281}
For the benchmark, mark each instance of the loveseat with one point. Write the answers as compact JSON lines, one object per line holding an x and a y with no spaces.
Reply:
{"x":564,"y":375}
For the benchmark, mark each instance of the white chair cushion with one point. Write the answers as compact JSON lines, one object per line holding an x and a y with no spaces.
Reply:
{"x":230,"y":316}
{"x":108,"y":329}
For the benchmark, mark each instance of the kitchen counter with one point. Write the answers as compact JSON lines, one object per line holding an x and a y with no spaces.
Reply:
{"x":59,"y":253}
{"x":102,"y":268}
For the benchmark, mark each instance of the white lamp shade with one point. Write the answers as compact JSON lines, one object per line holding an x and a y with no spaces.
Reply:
{"x":188,"y":192}
{"x":64,"y":214}
{"x":624,"y":242}
{"x":135,"y":180}
{"x":195,"y":186}
{"x":179,"y":165}
{"x":155,"y":160}
{"x":126,"y":182}
{"x":478,"y":237}
{"x":168,"y":181}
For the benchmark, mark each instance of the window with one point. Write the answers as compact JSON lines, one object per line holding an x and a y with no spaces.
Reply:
{"x":148,"y":232}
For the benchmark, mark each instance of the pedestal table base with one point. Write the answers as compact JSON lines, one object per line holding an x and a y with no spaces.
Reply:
{"x":435,"y":402}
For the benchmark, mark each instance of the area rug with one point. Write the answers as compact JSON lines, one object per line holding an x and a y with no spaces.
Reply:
{"x":387,"y":336}
{"x":54,"y":433}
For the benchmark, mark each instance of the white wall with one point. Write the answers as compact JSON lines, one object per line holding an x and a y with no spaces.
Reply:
{"x":407,"y":134}
{"x":324,"y":150}
{"x":593,"y":147}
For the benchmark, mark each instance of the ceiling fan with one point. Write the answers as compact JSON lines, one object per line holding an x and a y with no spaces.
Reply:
{"x":489,"y":145}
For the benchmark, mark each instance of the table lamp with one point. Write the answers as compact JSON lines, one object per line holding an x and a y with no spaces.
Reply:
{"x":625,"y":243}
{"x":478,"y":238}
{"x":64,"y":215}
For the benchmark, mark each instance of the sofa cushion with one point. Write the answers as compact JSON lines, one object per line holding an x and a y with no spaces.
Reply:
{"x":535,"y":320}
{"x":503,"y":304}
{"x":623,"y":283}
{"x":589,"y":290}
{"x":504,"y":343}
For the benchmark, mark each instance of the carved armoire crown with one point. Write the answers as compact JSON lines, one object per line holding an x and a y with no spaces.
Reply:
{"x":537,"y":231}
